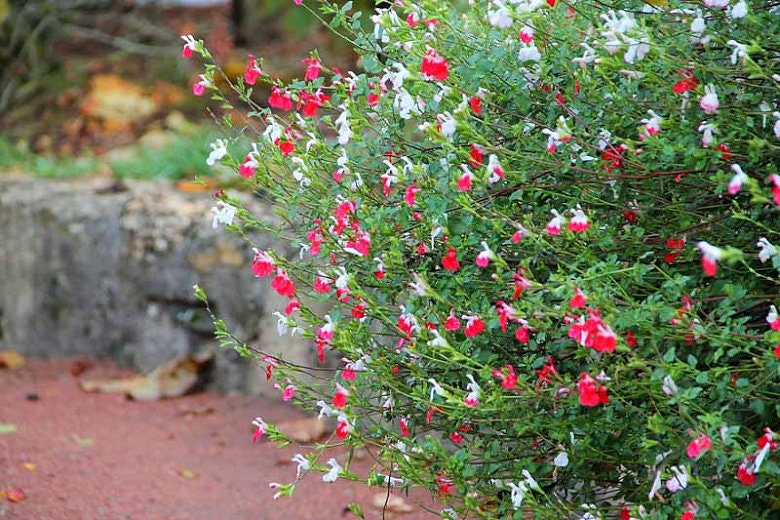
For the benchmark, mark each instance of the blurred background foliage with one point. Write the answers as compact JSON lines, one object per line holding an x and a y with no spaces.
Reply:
{"x":98,"y":85}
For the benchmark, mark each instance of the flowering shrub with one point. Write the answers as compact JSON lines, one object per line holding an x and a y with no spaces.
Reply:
{"x":544,"y":231}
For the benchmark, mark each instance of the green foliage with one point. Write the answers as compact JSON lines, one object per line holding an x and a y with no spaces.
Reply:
{"x":548,"y":259}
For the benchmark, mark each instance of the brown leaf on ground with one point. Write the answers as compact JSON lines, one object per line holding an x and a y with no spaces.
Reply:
{"x":15,"y":495}
{"x":172,"y":379}
{"x":117,"y":102}
{"x":188,"y":474}
{"x":304,"y":430}
{"x":11,"y":360}
{"x":29,"y":466}
{"x":395,"y":504}
{"x":80,"y":366}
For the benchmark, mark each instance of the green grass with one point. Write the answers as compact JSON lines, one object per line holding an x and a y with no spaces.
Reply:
{"x":182,"y":155}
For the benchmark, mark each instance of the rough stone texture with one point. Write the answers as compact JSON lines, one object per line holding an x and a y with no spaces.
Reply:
{"x":85,"y":271}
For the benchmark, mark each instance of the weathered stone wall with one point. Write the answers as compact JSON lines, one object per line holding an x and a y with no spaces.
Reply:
{"x":88,"y":271}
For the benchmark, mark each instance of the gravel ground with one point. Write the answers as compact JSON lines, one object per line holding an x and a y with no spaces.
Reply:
{"x":82,"y":456}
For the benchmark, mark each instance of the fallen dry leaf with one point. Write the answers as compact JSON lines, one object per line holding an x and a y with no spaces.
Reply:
{"x":11,"y":360}
{"x":29,"y":466}
{"x":304,"y":430}
{"x":172,"y":379}
{"x":190,"y":413}
{"x":188,"y":474}
{"x":15,"y":495}
{"x":80,"y":366}
{"x":395,"y":504}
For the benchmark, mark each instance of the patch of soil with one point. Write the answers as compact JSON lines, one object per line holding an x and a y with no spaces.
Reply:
{"x":82,"y":456}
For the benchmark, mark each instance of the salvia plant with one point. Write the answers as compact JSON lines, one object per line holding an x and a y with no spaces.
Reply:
{"x":542,"y":235}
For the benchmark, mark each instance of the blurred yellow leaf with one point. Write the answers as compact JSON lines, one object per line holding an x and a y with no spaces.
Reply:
{"x":188,"y":474}
{"x":11,"y":359}
{"x":656,"y":3}
{"x":29,"y":466}
{"x":7,"y":428}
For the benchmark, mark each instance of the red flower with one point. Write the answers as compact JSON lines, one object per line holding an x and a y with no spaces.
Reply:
{"x":450,"y":260}
{"x":687,"y":83}
{"x":507,"y":375}
{"x":340,"y":397}
{"x":745,"y":477}
{"x":404,"y":426}
{"x":280,"y":99}
{"x":698,"y":446}
{"x":252,"y":71}
{"x":452,"y":324}
{"x":411,"y":193}
{"x":590,"y":394}
{"x":474,"y":326}
{"x":313,"y":67}
{"x":476,"y":105}
{"x":434,"y":66}
{"x":444,"y":484}
{"x":631,"y":339}
{"x":262,"y":264}
{"x":521,"y":335}
{"x":477,"y":153}
{"x":456,"y":437}
{"x":578,"y":300}
{"x":282,"y":284}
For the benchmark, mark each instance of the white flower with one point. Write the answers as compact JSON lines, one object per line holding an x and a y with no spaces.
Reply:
{"x":218,"y":151}
{"x":223,"y":214}
{"x":679,"y":481}
{"x":637,"y":50}
{"x":561,"y":460}
{"x":529,"y":53}
{"x":669,"y":387}
{"x":345,"y":131}
{"x":438,"y":340}
{"x":447,"y":124}
{"x":767,"y":250}
{"x":436,"y":389}
{"x":776,"y":128}
{"x":499,"y":17}
{"x":518,"y":493}
{"x":325,"y":409}
{"x":335,"y":471}
{"x":739,"y":10}
{"x":589,"y":56}
{"x":707,"y":130}
{"x":303,"y":464}
{"x":530,"y":481}
{"x":739,"y":52}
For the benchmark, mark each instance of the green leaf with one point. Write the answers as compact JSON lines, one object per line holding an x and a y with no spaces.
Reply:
{"x":6,"y":428}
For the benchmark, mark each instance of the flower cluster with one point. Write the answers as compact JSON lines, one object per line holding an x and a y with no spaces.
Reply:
{"x":498,"y":215}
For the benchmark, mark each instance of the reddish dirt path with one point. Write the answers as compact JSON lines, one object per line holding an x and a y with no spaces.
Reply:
{"x":100,"y":456}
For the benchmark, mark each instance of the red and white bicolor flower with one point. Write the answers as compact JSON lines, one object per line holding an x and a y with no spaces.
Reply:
{"x":485,"y":256}
{"x":710,"y":256}
{"x":472,"y":398}
{"x":739,"y":178}
{"x":340,"y":397}
{"x":652,"y":125}
{"x":709,"y":102}
{"x":772,"y":318}
{"x":189,"y":46}
{"x":474,"y":325}
{"x":579,"y":221}
{"x":591,"y":394}
{"x":260,"y":427}
{"x":554,"y":226}
{"x":464,"y":181}
{"x":494,"y":169}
